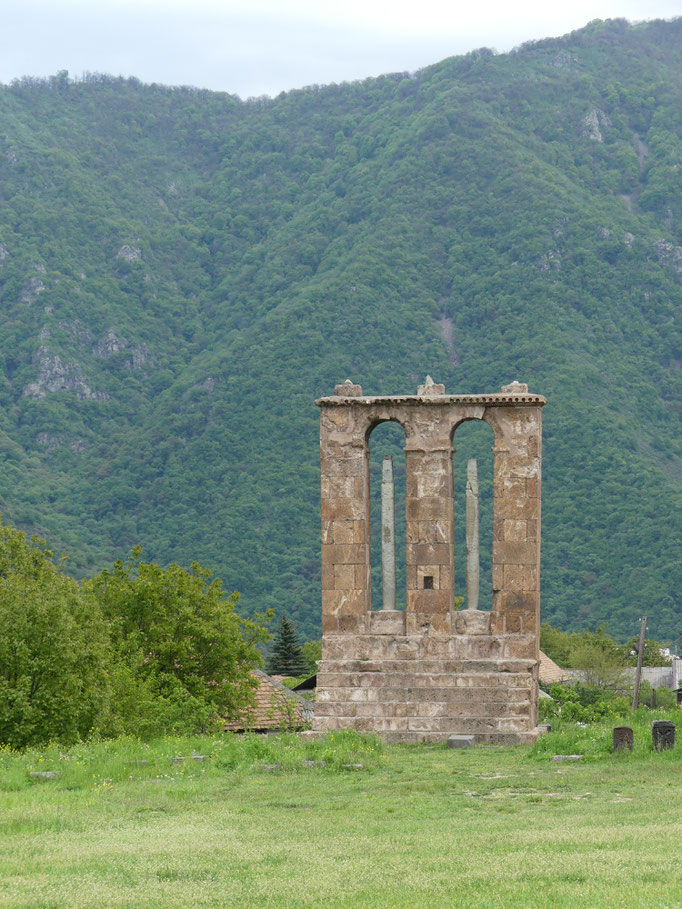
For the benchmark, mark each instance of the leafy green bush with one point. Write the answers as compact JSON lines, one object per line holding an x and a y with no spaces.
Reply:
{"x":581,"y":704}
{"x":53,"y":649}
{"x":181,"y":654}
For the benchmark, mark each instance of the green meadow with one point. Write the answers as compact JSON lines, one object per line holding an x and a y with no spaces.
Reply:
{"x":344,"y":821}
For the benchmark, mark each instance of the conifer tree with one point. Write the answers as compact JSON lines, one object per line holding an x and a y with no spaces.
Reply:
{"x":287,"y":654}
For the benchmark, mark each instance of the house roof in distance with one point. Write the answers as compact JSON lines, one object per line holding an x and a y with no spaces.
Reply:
{"x":549,"y":672}
{"x":275,"y":707}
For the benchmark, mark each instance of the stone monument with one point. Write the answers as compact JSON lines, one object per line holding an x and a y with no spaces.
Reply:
{"x":430,"y":672}
{"x":663,"y":735}
{"x":623,"y":738}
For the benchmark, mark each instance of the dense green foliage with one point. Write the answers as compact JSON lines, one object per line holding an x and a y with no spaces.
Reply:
{"x":53,"y":649}
{"x":287,"y":654}
{"x":578,"y":703}
{"x":180,"y":656}
{"x":312,"y":653}
{"x":593,"y":650}
{"x":182,"y":273}
{"x":138,"y":650}
{"x":583,"y":704}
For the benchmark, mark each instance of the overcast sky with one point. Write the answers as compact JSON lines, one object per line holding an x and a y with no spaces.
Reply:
{"x":267,"y":46}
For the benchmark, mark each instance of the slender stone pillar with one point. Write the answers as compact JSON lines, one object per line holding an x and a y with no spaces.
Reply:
{"x":472,"y":537}
{"x":388,"y":533}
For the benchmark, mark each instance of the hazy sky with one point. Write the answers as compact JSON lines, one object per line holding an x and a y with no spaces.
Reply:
{"x":266,"y":46}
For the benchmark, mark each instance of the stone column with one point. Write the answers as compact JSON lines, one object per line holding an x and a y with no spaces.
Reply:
{"x":388,"y":533}
{"x":472,"y":535}
{"x":429,"y":505}
{"x":344,"y":459}
{"x":516,"y":521}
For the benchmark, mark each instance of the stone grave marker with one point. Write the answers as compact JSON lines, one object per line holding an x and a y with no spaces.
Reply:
{"x":623,"y":738}
{"x":663,"y":735}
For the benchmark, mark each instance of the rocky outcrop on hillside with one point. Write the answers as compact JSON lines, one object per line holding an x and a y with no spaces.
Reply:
{"x":56,"y":376}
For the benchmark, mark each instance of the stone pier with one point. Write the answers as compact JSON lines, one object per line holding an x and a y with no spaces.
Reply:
{"x":429,"y":672}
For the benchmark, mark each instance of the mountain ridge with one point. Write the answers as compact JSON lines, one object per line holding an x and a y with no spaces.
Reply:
{"x":184,"y":273}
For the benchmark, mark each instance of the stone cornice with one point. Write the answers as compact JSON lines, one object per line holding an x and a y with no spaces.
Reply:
{"x":493,"y":400}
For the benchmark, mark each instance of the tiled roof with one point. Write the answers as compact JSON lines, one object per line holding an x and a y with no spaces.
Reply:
{"x":549,"y":671}
{"x":274,"y":707}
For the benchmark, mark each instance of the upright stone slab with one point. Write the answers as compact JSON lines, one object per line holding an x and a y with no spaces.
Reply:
{"x":623,"y":738}
{"x":663,"y":735}
{"x":430,"y":672}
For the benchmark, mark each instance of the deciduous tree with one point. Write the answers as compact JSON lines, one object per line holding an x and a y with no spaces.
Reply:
{"x":181,"y":653}
{"x":53,"y":649}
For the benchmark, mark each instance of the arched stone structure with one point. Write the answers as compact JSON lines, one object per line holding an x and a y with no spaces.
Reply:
{"x":429,"y":672}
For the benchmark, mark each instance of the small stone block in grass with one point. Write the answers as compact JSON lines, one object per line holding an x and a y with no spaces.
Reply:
{"x":567,"y":757}
{"x":461,"y":741}
{"x":623,"y":738}
{"x":44,"y":774}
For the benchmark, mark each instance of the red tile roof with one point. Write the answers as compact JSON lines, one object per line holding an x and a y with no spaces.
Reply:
{"x":549,"y":672}
{"x":274,"y":707}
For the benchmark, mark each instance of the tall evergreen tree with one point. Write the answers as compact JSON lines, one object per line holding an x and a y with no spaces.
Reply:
{"x":287,"y":654}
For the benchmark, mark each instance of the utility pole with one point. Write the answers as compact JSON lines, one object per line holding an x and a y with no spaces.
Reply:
{"x":640,"y":657}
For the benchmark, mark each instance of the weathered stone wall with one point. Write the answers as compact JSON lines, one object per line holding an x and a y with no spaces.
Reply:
{"x":430,"y":671}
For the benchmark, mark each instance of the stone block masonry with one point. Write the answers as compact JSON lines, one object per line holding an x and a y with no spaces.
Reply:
{"x":430,"y":672}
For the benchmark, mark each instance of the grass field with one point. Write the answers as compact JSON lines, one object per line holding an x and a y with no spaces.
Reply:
{"x":252,"y":825}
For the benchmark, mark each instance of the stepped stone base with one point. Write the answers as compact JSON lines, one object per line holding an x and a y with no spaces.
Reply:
{"x":425,"y":688}
{"x":493,"y":738}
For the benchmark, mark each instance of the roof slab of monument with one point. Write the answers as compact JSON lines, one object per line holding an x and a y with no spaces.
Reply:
{"x":493,"y":400}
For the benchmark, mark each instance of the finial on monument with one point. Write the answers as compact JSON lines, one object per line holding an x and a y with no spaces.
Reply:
{"x":348,"y":390}
{"x":430,"y":388}
{"x":515,"y":388}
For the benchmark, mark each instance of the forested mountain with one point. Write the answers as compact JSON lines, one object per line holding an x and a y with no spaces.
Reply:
{"x":183,"y":272}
